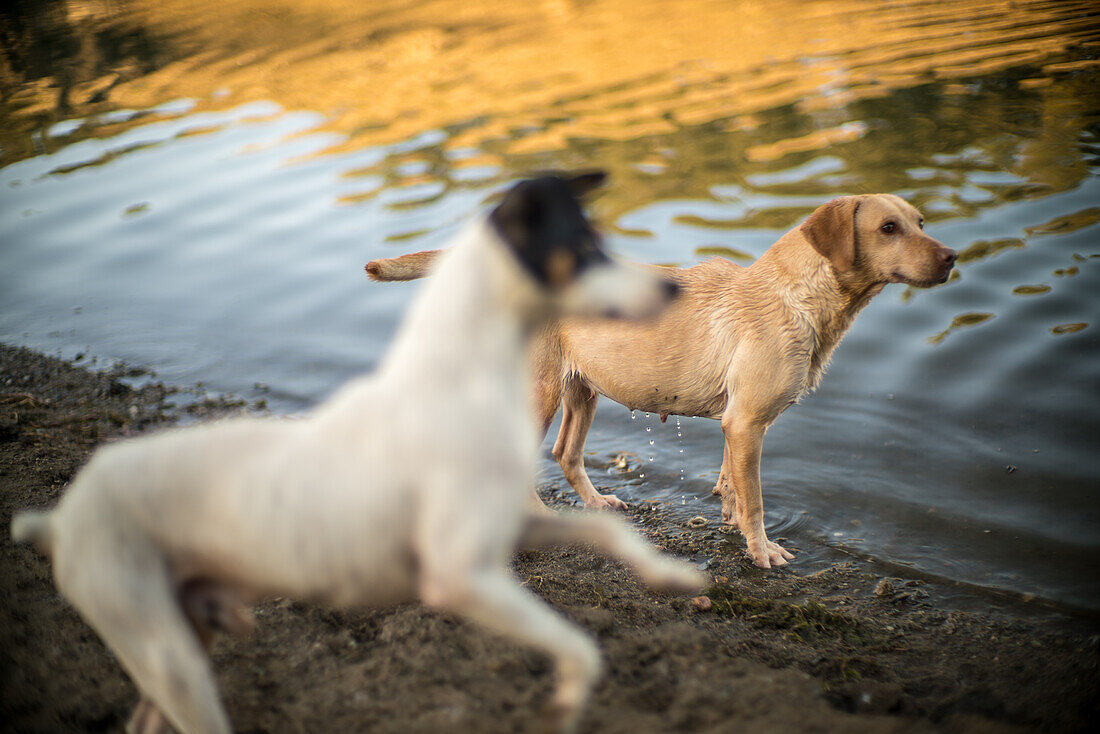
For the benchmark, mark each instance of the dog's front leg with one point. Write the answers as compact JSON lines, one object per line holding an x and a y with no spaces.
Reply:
{"x":612,"y":537}
{"x":493,"y":599}
{"x":744,"y":505}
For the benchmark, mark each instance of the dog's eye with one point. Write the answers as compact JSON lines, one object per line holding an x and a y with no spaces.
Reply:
{"x":922,"y":224}
{"x":888,"y":228}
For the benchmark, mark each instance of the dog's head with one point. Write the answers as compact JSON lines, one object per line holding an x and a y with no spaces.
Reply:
{"x":543,"y":225}
{"x":878,"y":238}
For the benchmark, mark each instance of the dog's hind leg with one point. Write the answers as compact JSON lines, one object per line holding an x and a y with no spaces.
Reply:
{"x":724,"y":488}
{"x":210,"y":608}
{"x":147,"y":719}
{"x":578,"y":409}
{"x":123,"y":589}
{"x":492,"y":598}
{"x":546,"y":365}
{"x":613,"y":538}
{"x":722,"y":484}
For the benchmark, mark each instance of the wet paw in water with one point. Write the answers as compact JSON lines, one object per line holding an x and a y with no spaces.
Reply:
{"x":769,"y":554}
{"x":606,"y":502}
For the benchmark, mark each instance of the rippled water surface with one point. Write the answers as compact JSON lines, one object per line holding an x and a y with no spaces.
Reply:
{"x":194,"y":187}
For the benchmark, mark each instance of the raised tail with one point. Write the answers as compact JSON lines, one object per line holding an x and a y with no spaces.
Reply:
{"x":404,"y":267}
{"x":33,"y":527}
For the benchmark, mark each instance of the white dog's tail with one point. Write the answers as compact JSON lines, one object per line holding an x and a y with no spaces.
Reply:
{"x":404,"y":267}
{"x":33,"y":527}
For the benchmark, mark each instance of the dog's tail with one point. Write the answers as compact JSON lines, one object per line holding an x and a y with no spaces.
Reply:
{"x":33,"y":527}
{"x":404,"y":267}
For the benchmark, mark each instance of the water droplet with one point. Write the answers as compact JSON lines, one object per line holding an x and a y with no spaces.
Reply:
{"x":641,"y":476}
{"x":651,"y":442}
{"x":647,"y":416}
{"x":633,"y":415}
{"x":680,"y":441}
{"x":649,"y":429}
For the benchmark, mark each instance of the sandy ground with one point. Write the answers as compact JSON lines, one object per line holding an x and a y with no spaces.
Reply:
{"x":839,"y":651}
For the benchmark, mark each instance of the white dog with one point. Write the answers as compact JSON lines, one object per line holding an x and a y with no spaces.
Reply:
{"x":411,"y":483}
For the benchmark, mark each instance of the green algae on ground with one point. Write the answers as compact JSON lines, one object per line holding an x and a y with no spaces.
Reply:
{"x":802,"y":622}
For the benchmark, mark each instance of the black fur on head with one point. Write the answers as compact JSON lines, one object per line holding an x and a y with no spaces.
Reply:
{"x":542,"y":221}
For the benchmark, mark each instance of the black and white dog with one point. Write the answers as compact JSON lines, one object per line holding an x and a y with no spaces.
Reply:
{"x":411,"y":483}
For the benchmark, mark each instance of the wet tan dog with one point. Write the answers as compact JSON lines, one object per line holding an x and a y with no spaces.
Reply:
{"x":407,"y":484}
{"x":740,"y":345}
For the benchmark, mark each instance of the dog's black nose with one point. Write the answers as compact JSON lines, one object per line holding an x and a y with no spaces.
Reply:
{"x":672,"y":290}
{"x":948,"y":256}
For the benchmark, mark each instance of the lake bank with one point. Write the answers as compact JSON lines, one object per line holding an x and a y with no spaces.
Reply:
{"x":843,"y":649}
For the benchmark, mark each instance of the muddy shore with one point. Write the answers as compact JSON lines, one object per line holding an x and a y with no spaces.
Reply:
{"x":841,"y":650}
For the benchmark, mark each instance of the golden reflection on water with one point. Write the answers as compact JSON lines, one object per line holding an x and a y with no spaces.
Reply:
{"x":982,"y":249}
{"x":1068,"y":223}
{"x":559,"y":82}
{"x":959,"y":322}
{"x":961,"y":105}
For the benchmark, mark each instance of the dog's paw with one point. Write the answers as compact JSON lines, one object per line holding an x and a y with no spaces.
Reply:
{"x":557,"y":720}
{"x":576,"y":677}
{"x":606,"y":502}
{"x":729,"y":513}
{"x":767,"y":554}
{"x":673,"y":577}
{"x":147,"y":719}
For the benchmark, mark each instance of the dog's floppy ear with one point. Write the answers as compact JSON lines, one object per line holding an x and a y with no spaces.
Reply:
{"x":585,"y":182}
{"x":515,"y":214}
{"x":831,"y":230}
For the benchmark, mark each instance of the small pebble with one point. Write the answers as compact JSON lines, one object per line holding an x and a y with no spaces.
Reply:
{"x":702,"y":603}
{"x":697,"y":522}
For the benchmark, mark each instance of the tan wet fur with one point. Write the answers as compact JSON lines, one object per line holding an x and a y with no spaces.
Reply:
{"x":740,"y":344}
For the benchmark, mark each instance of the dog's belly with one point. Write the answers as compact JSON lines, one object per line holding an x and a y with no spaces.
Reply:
{"x":672,"y":366}
{"x":662,"y":394}
{"x":669,"y":404}
{"x":656,"y":383}
{"x":348,"y":566}
{"x":309,"y":526}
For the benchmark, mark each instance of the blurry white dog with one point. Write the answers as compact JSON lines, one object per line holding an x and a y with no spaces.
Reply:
{"x":410,"y":483}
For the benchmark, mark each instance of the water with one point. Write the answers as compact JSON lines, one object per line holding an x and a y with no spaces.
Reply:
{"x":195,"y":187}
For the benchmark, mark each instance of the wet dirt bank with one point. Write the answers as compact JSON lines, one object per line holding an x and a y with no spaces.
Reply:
{"x":842,"y":650}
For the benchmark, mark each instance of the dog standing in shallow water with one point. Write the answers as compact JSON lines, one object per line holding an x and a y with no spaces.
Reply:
{"x":740,"y":345}
{"x":411,"y":483}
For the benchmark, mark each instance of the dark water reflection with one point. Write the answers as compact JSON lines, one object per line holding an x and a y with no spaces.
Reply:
{"x":195,"y":186}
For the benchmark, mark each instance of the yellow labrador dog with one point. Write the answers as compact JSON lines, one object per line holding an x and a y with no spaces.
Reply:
{"x":740,"y":345}
{"x":410,"y":483}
